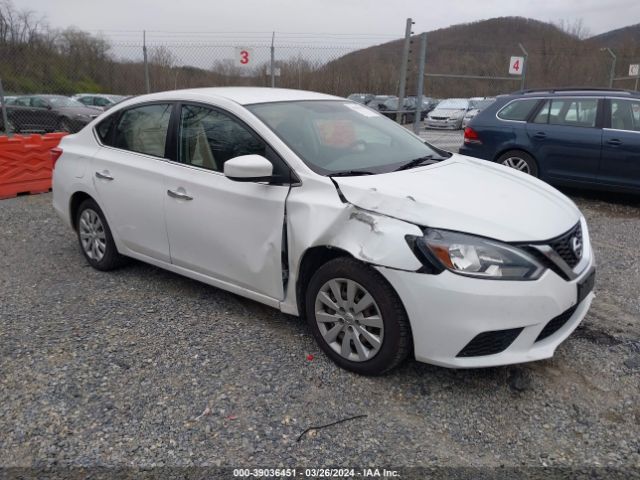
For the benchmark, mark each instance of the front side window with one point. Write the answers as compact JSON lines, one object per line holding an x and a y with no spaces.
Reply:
{"x":625,"y":114}
{"x":208,"y":138}
{"x":518,"y":110}
{"x":342,"y":137}
{"x":143,"y":129}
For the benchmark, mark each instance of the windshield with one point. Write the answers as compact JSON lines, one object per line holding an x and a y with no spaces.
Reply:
{"x":454,"y":104}
{"x":64,"y":102}
{"x":482,"y":104}
{"x":339,"y":136}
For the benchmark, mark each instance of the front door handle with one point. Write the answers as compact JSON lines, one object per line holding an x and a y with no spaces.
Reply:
{"x":105,"y":175}
{"x":614,"y":142}
{"x":540,"y":135}
{"x":180,"y":194}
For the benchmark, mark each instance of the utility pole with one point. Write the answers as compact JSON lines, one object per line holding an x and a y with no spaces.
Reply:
{"x":5,"y":120}
{"x":403,"y":69}
{"x":423,"y":57}
{"x":146,"y":63}
{"x":523,"y":81}
{"x":612,"y":72}
{"x":273,"y":60}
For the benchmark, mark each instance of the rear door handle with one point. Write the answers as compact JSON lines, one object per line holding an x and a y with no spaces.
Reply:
{"x":614,"y":142}
{"x":540,"y":135}
{"x":105,"y":175}
{"x":180,"y":194}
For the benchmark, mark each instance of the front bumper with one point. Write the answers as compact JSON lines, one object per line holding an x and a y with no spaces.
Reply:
{"x":447,"y":311}
{"x":444,"y":124}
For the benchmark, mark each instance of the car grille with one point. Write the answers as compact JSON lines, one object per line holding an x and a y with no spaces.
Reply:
{"x":563,"y":245}
{"x":490,"y":343}
{"x":556,"y":323}
{"x":438,"y":118}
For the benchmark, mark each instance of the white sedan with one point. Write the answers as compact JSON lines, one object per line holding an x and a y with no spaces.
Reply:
{"x":323,"y":208}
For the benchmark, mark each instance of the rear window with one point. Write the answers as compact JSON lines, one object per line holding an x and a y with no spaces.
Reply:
{"x":518,"y":109}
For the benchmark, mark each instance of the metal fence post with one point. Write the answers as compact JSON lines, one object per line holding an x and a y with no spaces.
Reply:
{"x":525,"y":67}
{"x":273,"y":60}
{"x":146,"y":63}
{"x":612,"y":72}
{"x":403,"y":69}
{"x":5,"y":120}
{"x":423,"y":56}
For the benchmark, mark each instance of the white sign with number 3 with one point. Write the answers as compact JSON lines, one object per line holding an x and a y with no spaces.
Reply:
{"x":516,"y":65}
{"x":244,"y":56}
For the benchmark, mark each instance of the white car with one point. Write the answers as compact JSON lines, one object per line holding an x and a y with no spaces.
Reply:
{"x":324,"y":208}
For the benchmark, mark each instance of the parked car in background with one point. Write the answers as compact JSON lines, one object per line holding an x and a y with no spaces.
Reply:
{"x":388,"y":247}
{"x":363,"y":98}
{"x":575,"y":137}
{"x":48,"y":113}
{"x":99,"y":100}
{"x":390,"y":109}
{"x":378,"y":101}
{"x":428,"y":104}
{"x":476,"y":107}
{"x":448,"y":114}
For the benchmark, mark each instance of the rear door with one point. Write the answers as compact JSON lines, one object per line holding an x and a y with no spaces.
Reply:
{"x":566,"y":137}
{"x":620,"y":163}
{"x":128,"y":174}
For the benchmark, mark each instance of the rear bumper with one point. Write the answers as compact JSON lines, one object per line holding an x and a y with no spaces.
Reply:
{"x":448,"y":311}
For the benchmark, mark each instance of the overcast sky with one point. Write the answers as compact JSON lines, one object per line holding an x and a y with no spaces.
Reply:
{"x":377,"y":17}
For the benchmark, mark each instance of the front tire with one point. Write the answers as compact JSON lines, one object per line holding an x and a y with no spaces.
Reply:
{"x":94,"y":236}
{"x":357,"y":318}
{"x":519,"y":160}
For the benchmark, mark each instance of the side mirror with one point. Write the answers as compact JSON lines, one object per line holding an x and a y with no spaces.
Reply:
{"x":248,"y":168}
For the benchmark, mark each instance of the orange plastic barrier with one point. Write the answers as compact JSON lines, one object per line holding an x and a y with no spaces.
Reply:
{"x":25,"y":163}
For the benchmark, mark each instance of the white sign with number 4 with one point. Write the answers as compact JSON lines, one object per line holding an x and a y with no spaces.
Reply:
{"x":516,"y":65}
{"x":634,"y":70}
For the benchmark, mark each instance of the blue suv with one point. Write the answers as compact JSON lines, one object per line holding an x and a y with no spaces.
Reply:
{"x":572,"y":137}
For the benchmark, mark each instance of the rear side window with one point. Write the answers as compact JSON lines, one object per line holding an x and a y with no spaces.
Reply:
{"x":104,"y":130}
{"x":144,"y":129}
{"x":625,"y":114}
{"x":518,"y":109}
{"x":576,"y":112}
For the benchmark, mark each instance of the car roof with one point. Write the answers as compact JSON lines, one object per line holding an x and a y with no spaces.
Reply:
{"x":242,"y":95}
{"x":573,"y":91}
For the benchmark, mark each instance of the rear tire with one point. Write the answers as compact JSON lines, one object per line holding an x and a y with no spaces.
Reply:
{"x":95,"y":239}
{"x":376,"y":328}
{"x":519,"y":160}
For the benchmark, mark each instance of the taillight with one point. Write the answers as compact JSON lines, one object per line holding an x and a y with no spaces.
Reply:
{"x":55,"y":155}
{"x":471,"y":136}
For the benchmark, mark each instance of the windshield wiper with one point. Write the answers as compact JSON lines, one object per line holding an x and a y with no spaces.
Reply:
{"x":417,"y":161}
{"x":349,"y":173}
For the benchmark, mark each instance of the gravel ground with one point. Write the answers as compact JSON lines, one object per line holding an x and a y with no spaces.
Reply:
{"x":143,"y":367}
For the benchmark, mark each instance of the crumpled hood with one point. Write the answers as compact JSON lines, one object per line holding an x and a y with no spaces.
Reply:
{"x":466,"y":195}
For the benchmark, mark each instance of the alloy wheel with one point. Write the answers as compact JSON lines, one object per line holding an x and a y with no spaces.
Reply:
{"x":349,"y":319}
{"x":517,"y":163}
{"x":92,"y":235}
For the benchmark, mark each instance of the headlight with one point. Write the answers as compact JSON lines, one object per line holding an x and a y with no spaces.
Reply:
{"x":479,"y":257}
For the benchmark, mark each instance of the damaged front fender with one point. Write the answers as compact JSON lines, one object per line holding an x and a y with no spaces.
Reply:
{"x":316,"y":216}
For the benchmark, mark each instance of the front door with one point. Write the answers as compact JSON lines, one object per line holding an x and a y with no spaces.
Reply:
{"x":228,"y":230}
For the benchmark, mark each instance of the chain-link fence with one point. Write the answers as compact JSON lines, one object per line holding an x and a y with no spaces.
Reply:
{"x":39,"y":73}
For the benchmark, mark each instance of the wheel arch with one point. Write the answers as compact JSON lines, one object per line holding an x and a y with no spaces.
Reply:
{"x":74,"y":204}
{"x":312,"y":259}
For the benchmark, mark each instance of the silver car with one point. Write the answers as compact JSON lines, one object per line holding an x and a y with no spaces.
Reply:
{"x":448,"y":114}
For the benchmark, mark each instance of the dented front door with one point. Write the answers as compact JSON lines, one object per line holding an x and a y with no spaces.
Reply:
{"x":231,"y":231}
